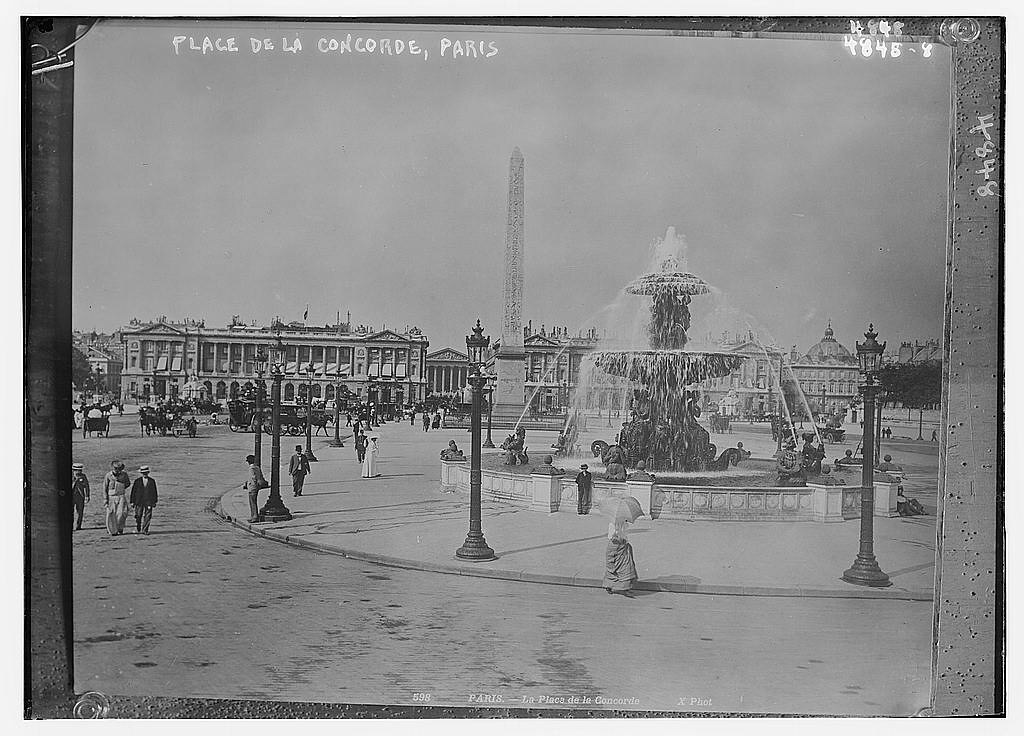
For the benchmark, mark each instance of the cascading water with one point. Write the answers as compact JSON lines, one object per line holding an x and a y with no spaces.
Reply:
{"x":663,"y":429}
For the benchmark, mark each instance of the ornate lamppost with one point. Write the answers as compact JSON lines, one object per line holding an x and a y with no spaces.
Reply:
{"x":260,"y":366}
{"x":488,"y":443}
{"x":475,"y":547}
{"x":337,"y":441}
{"x":865,"y":570}
{"x":371,"y":389}
{"x":275,"y":510}
{"x":309,"y":413}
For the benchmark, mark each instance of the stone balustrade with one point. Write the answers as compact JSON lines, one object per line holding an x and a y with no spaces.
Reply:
{"x":546,"y":492}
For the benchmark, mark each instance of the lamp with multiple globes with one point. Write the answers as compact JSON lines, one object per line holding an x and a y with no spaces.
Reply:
{"x":310,"y":369}
{"x":275,"y":510}
{"x":260,"y":368}
{"x":865,"y":569}
{"x":475,"y":547}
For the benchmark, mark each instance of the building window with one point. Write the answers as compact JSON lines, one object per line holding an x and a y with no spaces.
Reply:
{"x":134,"y":361}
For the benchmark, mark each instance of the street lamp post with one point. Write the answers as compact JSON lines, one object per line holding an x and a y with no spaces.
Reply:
{"x":475,"y":547}
{"x":865,"y":570}
{"x":488,"y":443}
{"x":309,"y":413}
{"x":371,"y":387}
{"x":337,"y":441}
{"x":260,"y":365}
{"x":275,"y":510}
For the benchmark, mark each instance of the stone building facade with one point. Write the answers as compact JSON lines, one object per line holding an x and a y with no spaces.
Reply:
{"x":164,"y":359}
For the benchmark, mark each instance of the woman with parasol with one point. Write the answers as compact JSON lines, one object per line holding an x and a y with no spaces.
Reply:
{"x":620,"y":570}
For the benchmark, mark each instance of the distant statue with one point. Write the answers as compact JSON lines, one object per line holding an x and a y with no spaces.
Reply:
{"x":613,"y":457}
{"x":730,"y":456}
{"x":515,"y":448}
{"x":847,"y":459}
{"x":452,"y":452}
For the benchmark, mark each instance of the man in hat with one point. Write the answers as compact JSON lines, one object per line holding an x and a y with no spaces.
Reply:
{"x":361,"y":443}
{"x":298,"y":469}
{"x":143,"y":499}
{"x":79,"y":492}
{"x":255,"y":483}
{"x":584,"y":484}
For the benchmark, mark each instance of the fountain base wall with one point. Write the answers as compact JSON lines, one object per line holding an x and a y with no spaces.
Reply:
{"x":550,"y":493}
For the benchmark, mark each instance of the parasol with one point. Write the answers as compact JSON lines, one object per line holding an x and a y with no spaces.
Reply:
{"x":629,"y":510}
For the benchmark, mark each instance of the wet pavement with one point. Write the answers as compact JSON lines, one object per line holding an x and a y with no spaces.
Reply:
{"x":201,"y":609}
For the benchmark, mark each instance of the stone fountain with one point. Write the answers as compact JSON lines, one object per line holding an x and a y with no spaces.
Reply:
{"x":663,"y":430}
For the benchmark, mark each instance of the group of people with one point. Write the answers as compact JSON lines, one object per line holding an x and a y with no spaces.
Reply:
{"x":430,"y":421}
{"x":118,"y":500}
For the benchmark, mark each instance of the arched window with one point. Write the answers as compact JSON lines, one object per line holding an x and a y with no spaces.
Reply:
{"x":222,"y":390}
{"x":209,"y":388}
{"x":289,"y":392}
{"x":234,"y":389}
{"x":329,"y":393}
{"x":317,"y":390}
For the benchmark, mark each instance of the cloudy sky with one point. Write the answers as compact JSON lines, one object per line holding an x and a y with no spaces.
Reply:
{"x":810,"y":184}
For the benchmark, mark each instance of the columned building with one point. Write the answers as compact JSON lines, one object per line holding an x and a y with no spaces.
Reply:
{"x":164,"y":359}
{"x":829,"y":375}
{"x":447,"y":372}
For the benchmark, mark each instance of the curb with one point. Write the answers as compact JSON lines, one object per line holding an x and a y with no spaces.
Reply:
{"x":216,"y":507}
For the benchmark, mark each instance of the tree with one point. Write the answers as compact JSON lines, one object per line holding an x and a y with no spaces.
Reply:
{"x":914,"y":385}
{"x":794,"y":398}
{"x":81,"y":371}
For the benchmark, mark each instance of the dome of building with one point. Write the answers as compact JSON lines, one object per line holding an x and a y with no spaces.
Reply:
{"x":828,"y":350}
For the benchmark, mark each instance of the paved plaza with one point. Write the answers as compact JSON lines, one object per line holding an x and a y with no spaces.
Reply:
{"x":203,"y":608}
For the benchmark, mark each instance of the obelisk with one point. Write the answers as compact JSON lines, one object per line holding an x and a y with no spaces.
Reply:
{"x":510,"y":392}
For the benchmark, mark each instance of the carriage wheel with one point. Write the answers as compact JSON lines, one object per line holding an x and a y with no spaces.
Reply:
{"x":294,"y":430}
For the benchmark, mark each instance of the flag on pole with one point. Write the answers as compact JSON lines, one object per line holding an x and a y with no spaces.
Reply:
{"x":305,"y":315}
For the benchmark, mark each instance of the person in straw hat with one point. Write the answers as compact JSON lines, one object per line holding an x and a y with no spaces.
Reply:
{"x":620,"y":570}
{"x":143,"y":499}
{"x":115,"y":485}
{"x":79,"y":492}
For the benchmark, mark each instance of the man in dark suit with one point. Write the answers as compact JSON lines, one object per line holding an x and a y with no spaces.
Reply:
{"x":584,"y":485}
{"x":143,"y":499}
{"x":361,"y":443}
{"x":298,"y":469}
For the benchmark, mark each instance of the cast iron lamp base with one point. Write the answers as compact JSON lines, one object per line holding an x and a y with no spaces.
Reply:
{"x":276,"y":513}
{"x":475,"y":549}
{"x":865,"y":571}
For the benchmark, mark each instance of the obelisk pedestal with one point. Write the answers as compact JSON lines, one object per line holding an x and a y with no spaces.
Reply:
{"x":510,"y":391}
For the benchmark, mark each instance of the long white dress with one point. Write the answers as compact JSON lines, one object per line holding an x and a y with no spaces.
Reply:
{"x":370,"y":461}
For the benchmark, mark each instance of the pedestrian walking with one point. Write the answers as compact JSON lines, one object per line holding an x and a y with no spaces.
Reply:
{"x":115,"y":486}
{"x":143,"y":499}
{"x":370,"y":459}
{"x":426,"y":421}
{"x":584,"y":484}
{"x":348,"y":419}
{"x":412,"y":418}
{"x":298,"y":469}
{"x":79,"y":492}
{"x":360,"y":443}
{"x":935,"y":435}
{"x":254,"y":485}
{"x":619,"y":567}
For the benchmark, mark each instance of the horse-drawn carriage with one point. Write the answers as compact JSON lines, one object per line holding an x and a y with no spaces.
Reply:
{"x":173,"y":418}
{"x":99,"y":425}
{"x":242,"y":418}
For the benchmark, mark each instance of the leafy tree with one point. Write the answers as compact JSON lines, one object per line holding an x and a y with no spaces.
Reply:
{"x":794,"y":399}
{"x":913,"y":385}
{"x":81,"y":372}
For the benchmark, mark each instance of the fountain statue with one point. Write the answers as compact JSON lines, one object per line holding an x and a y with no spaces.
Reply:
{"x":663,"y":428}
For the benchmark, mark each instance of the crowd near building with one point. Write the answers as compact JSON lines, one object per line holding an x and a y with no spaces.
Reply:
{"x":187,"y":359}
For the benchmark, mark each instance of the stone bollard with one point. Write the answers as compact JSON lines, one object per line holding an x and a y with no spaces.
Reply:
{"x":885,"y":496}
{"x":449,"y":475}
{"x":546,"y":487}
{"x":640,"y":485}
{"x":827,"y":502}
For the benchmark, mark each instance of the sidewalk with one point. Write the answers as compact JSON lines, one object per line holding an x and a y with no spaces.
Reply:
{"x":402,"y":519}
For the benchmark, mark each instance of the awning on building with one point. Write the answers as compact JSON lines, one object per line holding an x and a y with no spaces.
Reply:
{"x":161,"y":363}
{"x":400,"y":370}
{"x":386,"y":370}
{"x":373,"y":370}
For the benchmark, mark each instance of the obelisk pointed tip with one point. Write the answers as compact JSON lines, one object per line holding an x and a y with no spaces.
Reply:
{"x":516,"y":153}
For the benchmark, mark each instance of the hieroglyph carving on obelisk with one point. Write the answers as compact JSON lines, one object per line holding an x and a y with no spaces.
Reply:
{"x":512,"y":326}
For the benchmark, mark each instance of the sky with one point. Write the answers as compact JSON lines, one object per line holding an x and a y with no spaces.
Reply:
{"x":810,"y":184}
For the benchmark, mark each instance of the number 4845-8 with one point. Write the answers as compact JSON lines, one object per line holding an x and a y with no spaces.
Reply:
{"x":868,"y":45}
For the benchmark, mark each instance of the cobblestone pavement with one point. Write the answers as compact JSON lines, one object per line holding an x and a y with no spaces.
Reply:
{"x":201,"y":609}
